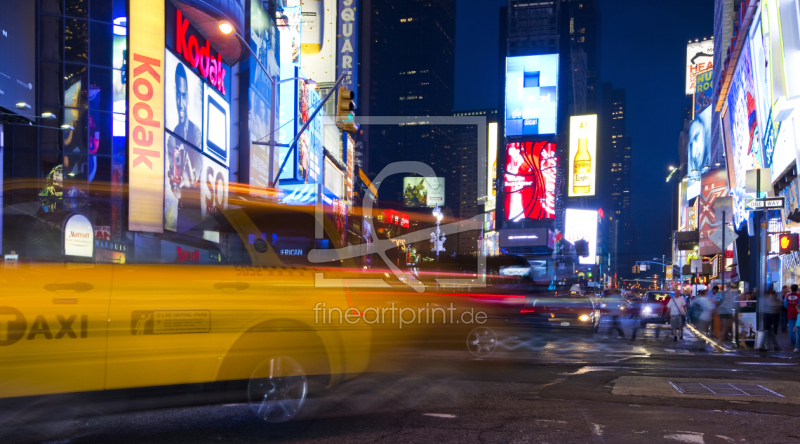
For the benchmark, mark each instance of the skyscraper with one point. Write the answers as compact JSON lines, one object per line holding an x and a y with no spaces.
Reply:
{"x":622,"y":233}
{"x":407,"y":68}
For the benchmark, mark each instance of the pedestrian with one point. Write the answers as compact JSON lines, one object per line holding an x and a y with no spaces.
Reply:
{"x":725,"y":310}
{"x":717,"y":295}
{"x":770,"y":308}
{"x":791,"y":314}
{"x":707,"y":307}
{"x":677,"y":312}
{"x":615,"y":325}
{"x":782,"y":296}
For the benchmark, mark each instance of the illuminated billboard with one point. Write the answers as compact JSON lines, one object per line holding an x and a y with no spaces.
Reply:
{"x":491,"y":162}
{"x":263,"y":42}
{"x":715,"y":186}
{"x":423,"y":191}
{"x":531,"y":94}
{"x":698,"y":150}
{"x":766,"y":50}
{"x":582,"y":155}
{"x":699,"y":59}
{"x":318,"y":40}
{"x":146,"y":111}
{"x":529,"y":180}
{"x":582,"y":225}
{"x":745,"y":138}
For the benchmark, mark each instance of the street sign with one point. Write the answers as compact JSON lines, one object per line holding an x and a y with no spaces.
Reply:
{"x":769,"y":203}
{"x":751,"y":184}
{"x":716,"y":237}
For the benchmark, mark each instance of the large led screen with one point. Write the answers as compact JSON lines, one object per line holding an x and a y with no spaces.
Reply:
{"x":582,"y":225}
{"x":264,"y":42}
{"x":529,"y":180}
{"x":746,"y":141}
{"x":698,"y":156}
{"x":531,"y":94}
{"x":216,"y":137}
{"x":582,"y":155}
{"x":699,"y":59}
{"x":491,"y":163}
{"x":423,"y":191}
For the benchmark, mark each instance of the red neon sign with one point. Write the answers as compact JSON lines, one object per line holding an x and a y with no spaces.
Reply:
{"x":199,"y":56}
{"x":396,"y":217}
{"x":188,"y":256}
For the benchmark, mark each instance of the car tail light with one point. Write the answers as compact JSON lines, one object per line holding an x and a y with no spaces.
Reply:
{"x":527,"y":311}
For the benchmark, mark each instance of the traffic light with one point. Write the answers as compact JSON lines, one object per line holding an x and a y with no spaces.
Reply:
{"x":344,"y":111}
{"x":788,"y":243}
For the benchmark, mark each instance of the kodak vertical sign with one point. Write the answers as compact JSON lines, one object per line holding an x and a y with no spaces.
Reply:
{"x":146,"y":116}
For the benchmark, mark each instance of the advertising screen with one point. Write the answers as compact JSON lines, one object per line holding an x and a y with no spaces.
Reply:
{"x":214,"y":189}
{"x":216,"y":137}
{"x":779,"y":146}
{"x":715,"y":186}
{"x":146,"y":111}
{"x":491,"y":162}
{"x":318,"y":35}
{"x":18,"y":73}
{"x":699,"y":58}
{"x":582,"y":155}
{"x":746,"y":141}
{"x":698,"y":156}
{"x":423,"y":191}
{"x":582,"y":225}
{"x":531,"y":94}
{"x":184,"y":165}
{"x":183,"y":101}
{"x":334,"y":179}
{"x":529,"y":180}
{"x":263,"y":42}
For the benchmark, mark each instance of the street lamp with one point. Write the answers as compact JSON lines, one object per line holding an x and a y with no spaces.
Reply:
{"x":228,"y":29}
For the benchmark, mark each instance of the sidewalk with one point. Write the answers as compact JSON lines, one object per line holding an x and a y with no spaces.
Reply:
{"x":728,"y":346}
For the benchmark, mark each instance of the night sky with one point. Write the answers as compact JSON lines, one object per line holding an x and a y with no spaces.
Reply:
{"x":643,"y":50}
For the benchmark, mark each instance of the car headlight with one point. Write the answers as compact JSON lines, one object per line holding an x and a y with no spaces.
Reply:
{"x":584,"y":318}
{"x":603,"y":305}
{"x":647,"y":310}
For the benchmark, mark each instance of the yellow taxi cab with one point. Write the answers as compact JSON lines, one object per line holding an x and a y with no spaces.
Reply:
{"x":247,"y":323}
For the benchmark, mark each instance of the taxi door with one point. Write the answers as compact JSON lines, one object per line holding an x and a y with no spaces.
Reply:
{"x":171,"y":324}
{"x":53,"y":325}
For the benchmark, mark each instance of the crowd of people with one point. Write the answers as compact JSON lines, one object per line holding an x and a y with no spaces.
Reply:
{"x":779,"y":312}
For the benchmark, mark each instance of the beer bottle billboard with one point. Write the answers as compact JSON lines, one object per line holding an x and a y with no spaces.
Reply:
{"x":582,"y":155}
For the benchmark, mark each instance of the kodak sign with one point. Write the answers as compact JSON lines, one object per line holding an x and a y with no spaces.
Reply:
{"x":200,"y":57}
{"x":146,"y":116}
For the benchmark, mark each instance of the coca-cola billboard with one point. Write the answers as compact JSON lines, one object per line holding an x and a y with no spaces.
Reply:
{"x":529,"y":180}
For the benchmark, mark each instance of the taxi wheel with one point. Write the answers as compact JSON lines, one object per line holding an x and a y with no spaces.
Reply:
{"x":481,"y":342}
{"x":277,"y":389}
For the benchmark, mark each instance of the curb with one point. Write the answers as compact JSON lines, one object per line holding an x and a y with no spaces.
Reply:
{"x":718,"y":346}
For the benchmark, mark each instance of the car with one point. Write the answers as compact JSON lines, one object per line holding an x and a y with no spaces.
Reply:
{"x":251,"y":327}
{"x":654,"y":306}
{"x":634,"y":306}
{"x":553,"y":310}
{"x":612,"y":302}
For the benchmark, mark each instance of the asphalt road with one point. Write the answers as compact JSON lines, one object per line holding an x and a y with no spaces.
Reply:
{"x":552,"y":388}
